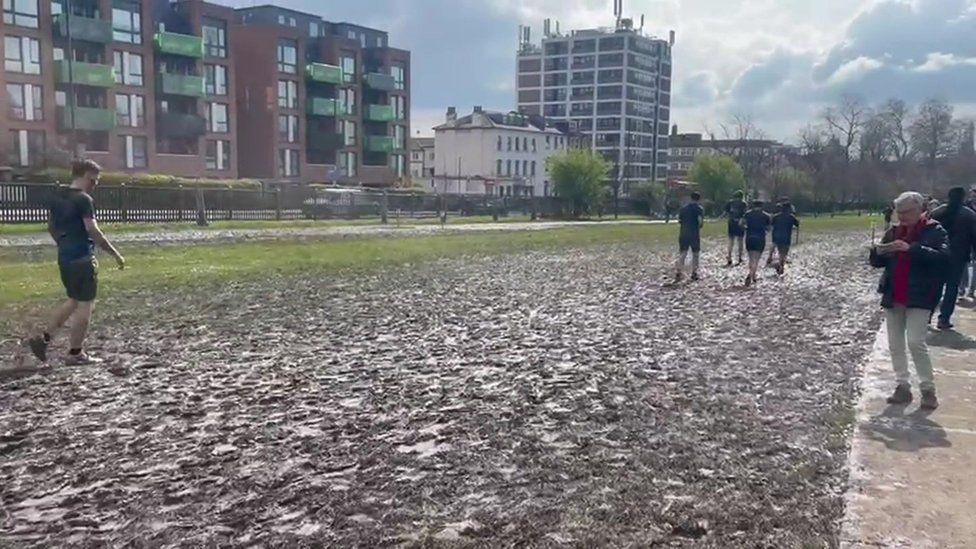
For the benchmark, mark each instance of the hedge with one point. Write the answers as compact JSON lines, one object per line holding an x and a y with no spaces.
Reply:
{"x":114,"y":179}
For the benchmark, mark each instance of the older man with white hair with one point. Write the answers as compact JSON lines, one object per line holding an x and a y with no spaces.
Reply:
{"x":914,"y":254}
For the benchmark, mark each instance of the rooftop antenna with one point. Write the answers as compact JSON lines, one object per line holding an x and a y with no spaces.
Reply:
{"x":642,"y":23}
{"x":618,"y":10}
{"x":557,"y":27}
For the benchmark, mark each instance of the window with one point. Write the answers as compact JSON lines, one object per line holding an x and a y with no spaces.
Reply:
{"x":348,"y":64}
{"x":26,"y":102}
{"x":347,"y":98}
{"x":499,"y":145}
{"x":396,"y":164}
{"x":27,"y":147}
{"x":516,"y":144}
{"x":22,"y":13}
{"x":215,"y":37}
{"x":128,"y":68}
{"x":399,"y":77}
{"x":281,"y":20}
{"x":525,"y":144}
{"x":130,"y":110}
{"x":399,"y":107}
{"x":399,"y":137}
{"x":533,"y":168}
{"x":21,"y":54}
{"x":525,"y":167}
{"x":134,"y":151}
{"x":313,"y":29}
{"x":288,"y":56}
{"x":288,"y":128}
{"x":127,"y":22}
{"x":347,"y":164}
{"x":509,"y":143}
{"x":292,"y":22}
{"x":349,"y":133}
{"x":508,"y":167}
{"x":548,"y":143}
{"x":498,"y":167}
{"x":287,"y":162}
{"x":533,"y":146}
{"x":516,"y":168}
{"x":218,"y":155}
{"x":216,"y":79}
{"x":217,"y":118}
{"x":288,"y":94}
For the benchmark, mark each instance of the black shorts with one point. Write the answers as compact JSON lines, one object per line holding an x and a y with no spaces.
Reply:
{"x":755,"y":243}
{"x":686,"y":242}
{"x":80,"y":279}
{"x":736,"y":230}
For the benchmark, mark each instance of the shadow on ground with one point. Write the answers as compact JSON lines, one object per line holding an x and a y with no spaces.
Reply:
{"x":906,"y":432}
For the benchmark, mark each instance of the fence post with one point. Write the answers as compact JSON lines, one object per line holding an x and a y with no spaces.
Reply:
{"x":123,"y":203}
{"x":230,"y":204}
{"x":278,"y":203}
{"x":182,"y":203}
{"x":353,"y":214}
{"x":384,"y":207}
{"x":201,"y":208}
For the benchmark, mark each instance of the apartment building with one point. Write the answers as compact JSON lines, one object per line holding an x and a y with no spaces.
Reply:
{"x":320,"y":101}
{"x":615,"y":84}
{"x":755,"y":156}
{"x":137,"y":85}
{"x":422,"y":157}
{"x":497,"y":153}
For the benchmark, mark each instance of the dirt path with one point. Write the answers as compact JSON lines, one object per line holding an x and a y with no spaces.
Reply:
{"x":542,"y":399}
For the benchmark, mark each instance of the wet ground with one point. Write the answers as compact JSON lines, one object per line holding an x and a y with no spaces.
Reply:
{"x":546,"y":399}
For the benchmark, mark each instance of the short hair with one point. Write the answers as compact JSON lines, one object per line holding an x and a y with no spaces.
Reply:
{"x":910,"y":197}
{"x":81,"y":167}
{"x":957,"y":194}
{"x":738,"y":194}
{"x":696,"y":196}
{"x":757,"y":203}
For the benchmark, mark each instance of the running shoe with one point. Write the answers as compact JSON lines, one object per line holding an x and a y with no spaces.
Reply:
{"x":929,"y":400}
{"x":902,"y":395}
{"x":82,"y":359}
{"x":39,"y":347}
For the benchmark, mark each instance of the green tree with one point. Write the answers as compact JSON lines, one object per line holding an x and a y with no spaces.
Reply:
{"x":650,"y":196}
{"x":579,"y":180}
{"x":717,"y":177}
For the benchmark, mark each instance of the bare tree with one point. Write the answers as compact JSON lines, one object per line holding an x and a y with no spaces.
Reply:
{"x":896,"y":114}
{"x":844,"y":122}
{"x":748,"y":145}
{"x":875,"y":143}
{"x":934,"y":135}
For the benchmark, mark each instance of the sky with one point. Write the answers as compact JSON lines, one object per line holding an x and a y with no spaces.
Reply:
{"x":779,"y":62}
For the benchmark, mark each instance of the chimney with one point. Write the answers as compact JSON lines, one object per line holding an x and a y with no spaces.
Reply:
{"x":478,"y":109}
{"x":672,"y":38}
{"x":451,"y":114}
{"x":674,"y":130}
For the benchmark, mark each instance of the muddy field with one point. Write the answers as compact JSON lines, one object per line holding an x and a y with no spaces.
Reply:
{"x":543,"y":399}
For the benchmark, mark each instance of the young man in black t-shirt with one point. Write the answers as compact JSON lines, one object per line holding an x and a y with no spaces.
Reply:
{"x":735,"y":209}
{"x":691,"y":218}
{"x":783,"y":224}
{"x":71,"y":222}
{"x":757,"y":223}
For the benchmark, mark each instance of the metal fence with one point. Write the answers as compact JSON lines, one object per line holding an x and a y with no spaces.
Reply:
{"x":28,"y":203}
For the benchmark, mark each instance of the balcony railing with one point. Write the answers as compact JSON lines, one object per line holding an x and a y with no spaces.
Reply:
{"x":181,"y":84}
{"x":321,"y":106}
{"x":173,"y":124}
{"x":85,"y":74}
{"x":186,"y":45}
{"x":320,"y":72}
{"x":86,"y":118}
{"x":380,"y":113}
{"x":83,"y":28}
{"x":380,"y":81}
{"x":379,"y":143}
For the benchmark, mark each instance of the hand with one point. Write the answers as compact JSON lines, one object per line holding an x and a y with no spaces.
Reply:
{"x":900,"y":246}
{"x":121,"y":262}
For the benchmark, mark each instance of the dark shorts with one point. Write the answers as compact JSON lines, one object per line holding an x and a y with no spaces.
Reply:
{"x":755,"y":243}
{"x":782,"y":248}
{"x":736,"y":230}
{"x":80,"y":279}
{"x":692,"y":242}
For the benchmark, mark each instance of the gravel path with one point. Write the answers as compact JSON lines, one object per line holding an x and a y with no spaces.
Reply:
{"x":544,"y":399}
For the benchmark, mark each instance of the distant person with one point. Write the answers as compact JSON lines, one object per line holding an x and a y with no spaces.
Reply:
{"x":72,"y":225}
{"x":914,"y":254}
{"x":783,"y":224}
{"x":757,"y":223}
{"x":931,"y":204}
{"x":888,"y":211}
{"x":735,"y":209}
{"x":691,"y":219}
{"x":960,"y":223}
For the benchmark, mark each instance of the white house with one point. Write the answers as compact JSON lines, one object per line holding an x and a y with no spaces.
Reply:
{"x":421,"y":159}
{"x":496,"y":153}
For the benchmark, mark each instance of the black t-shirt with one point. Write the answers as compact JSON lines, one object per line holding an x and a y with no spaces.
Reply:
{"x":735,"y":209}
{"x":690,"y":217}
{"x":757,"y":223}
{"x":783,"y":224}
{"x":69,"y":209}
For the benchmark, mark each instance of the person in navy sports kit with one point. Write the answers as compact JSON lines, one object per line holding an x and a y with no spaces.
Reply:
{"x":783,"y":224}
{"x":757,"y":223}
{"x":735,"y":209}
{"x":691,"y":218}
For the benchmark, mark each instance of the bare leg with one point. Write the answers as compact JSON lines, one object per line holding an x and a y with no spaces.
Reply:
{"x":60,"y":316}
{"x":739,"y":242}
{"x":754,"y":258}
{"x":694,"y":262}
{"x":769,"y":260}
{"x":79,"y":327}
{"x":783,"y":254}
{"x":731,"y":245}
{"x":680,"y":267}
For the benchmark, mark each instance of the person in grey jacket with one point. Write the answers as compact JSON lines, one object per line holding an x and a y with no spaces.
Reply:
{"x":960,"y":222}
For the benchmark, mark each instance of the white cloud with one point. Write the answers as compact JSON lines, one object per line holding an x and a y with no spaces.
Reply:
{"x":853,"y":70}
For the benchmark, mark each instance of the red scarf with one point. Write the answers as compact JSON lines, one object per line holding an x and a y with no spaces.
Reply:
{"x":903,"y":261}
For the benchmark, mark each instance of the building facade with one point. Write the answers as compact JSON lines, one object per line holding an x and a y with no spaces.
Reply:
{"x":755,"y":156}
{"x":497,"y":153}
{"x":422,"y":158}
{"x":615,"y":84}
{"x":320,"y":101}
{"x":136,"y":85}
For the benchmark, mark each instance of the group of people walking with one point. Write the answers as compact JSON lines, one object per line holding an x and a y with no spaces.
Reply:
{"x":748,"y":227}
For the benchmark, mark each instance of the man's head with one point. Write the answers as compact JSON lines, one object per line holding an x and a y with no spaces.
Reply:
{"x":757,"y":204}
{"x":909,"y":206}
{"x":695,"y":196}
{"x":785,"y":206}
{"x":85,"y":174}
{"x":957,"y":195}
{"x":738,"y":195}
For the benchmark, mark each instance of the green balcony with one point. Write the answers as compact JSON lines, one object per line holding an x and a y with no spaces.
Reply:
{"x":83,"y":28}
{"x":320,"y":72}
{"x":380,"y":113}
{"x":379,"y":143}
{"x":179,"y":44}
{"x":321,"y":106}
{"x":379,"y":81}
{"x":84,"y":74}
{"x":98,"y":120}
{"x":180,"y":84}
